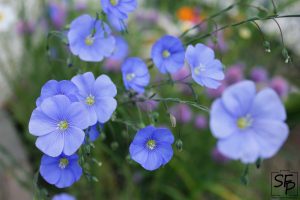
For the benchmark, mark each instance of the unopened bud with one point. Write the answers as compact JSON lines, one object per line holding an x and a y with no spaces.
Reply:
{"x":286,"y":56}
{"x":114,"y":145}
{"x":173,"y":120}
{"x":179,"y":144}
{"x":267,"y":46}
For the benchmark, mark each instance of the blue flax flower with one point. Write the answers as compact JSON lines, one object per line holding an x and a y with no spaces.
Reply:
{"x":248,"y":125}
{"x":206,"y":70}
{"x":118,"y":8}
{"x":168,"y":54}
{"x":97,"y":96}
{"x":93,"y":132}
{"x":59,"y":125}
{"x":152,"y":147}
{"x":116,"y":23}
{"x":61,"y":171}
{"x":90,"y":39}
{"x":121,"y":50}
{"x":63,"y":196}
{"x":53,"y":87}
{"x":135,"y":74}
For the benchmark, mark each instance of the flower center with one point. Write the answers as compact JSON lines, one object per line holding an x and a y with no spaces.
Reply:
{"x":114,"y":2}
{"x":90,"y":100}
{"x":166,"y":54}
{"x":130,"y":76}
{"x":89,"y":40}
{"x":199,"y":69}
{"x":63,"y":163}
{"x":63,"y":125}
{"x":151,"y":144}
{"x":244,"y":122}
{"x":1,"y":16}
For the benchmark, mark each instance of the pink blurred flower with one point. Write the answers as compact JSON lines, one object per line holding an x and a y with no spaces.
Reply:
{"x":182,"y":113}
{"x":280,"y":85}
{"x":259,"y":74}
{"x":201,"y":122}
{"x":234,"y":74}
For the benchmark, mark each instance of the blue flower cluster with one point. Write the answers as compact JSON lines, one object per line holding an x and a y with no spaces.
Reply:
{"x":65,"y":111}
{"x":69,"y":112}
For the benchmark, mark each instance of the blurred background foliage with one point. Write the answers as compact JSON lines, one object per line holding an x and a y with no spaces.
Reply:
{"x":196,"y":171}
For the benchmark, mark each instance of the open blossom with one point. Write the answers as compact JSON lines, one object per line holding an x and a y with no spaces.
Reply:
{"x":206,"y":70}
{"x":135,"y":74}
{"x":90,"y":39}
{"x":63,"y":196}
{"x":118,"y":8}
{"x":59,"y":125}
{"x":61,"y":171}
{"x":168,"y":54}
{"x":53,"y":87}
{"x":97,"y":96}
{"x":248,"y":125}
{"x":152,"y":147}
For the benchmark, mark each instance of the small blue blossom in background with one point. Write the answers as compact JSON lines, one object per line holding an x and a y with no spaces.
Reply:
{"x":118,"y":8}
{"x":206,"y":70}
{"x":249,"y":126}
{"x":135,"y":74}
{"x":63,"y":196}
{"x":59,"y":125}
{"x":168,"y":54}
{"x":152,"y":147}
{"x":61,"y":171}
{"x":93,"y":132}
{"x":90,"y":39}
{"x":53,"y":87}
{"x":117,"y":12}
{"x":97,"y":96}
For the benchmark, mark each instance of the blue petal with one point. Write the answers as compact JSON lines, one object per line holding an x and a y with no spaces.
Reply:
{"x":240,"y":145}
{"x":163,"y":135}
{"x":76,"y":170}
{"x":40,"y":124}
{"x":93,"y":132}
{"x":105,"y":108}
{"x":78,"y":115}
{"x":73,"y":139}
{"x":166,"y":151}
{"x":51,"y":172}
{"x":222,"y":123}
{"x":51,"y":144}
{"x":84,"y":82}
{"x":54,"y":107}
{"x":104,"y":87}
{"x":267,"y":105}
{"x":239,"y":98}
{"x":143,"y":135}
{"x":153,"y":161}
{"x":138,"y":153}
{"x":270,"y":135}
{"x":66,"y":179}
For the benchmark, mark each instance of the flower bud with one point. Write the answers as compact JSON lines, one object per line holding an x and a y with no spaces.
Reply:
{"x":179,"y":144}
{"x":267,"y":46}
{"x":173,"y":121}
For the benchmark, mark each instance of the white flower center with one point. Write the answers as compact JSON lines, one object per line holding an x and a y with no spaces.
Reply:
{"x":114,"y":2}
{"x":89,"y":40}
{"x":151,"y":144}
{"x":63,"y":163}
{"x":90,"y":100}
{"x":63,"y":125}
{"x":130,"y":76}
{"x":244,"y":122}
{"x":2,"y":16}
{"x":166,"y":53}
{"x":198,"y":70}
